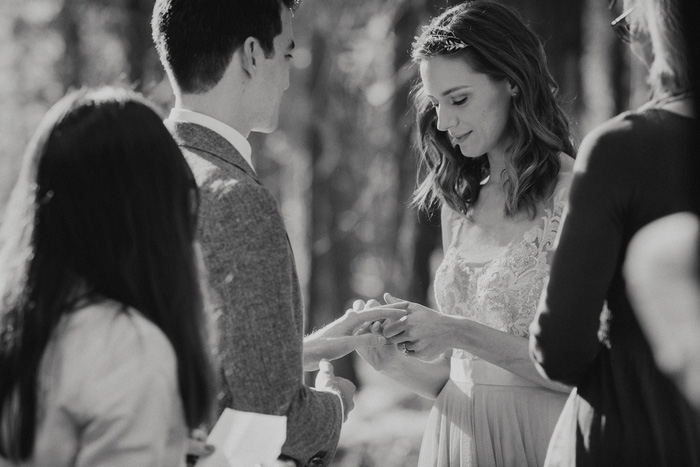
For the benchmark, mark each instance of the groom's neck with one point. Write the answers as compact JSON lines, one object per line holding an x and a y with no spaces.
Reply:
{"x":217,"y":103}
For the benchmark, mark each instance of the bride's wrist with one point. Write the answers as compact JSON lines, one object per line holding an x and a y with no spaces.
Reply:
{"x":454,"y":332}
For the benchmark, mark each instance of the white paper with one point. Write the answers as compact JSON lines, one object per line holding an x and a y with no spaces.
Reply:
{"x":245,"y":439}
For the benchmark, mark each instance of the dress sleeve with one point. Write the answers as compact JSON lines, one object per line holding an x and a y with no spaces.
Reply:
{"x":564,"y":334}
{"x":251,"y":273}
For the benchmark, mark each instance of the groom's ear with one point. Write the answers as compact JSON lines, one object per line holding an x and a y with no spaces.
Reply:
{"x":251,"y":55}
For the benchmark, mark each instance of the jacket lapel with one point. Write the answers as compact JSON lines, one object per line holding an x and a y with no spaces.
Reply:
{"x":198,"y":138}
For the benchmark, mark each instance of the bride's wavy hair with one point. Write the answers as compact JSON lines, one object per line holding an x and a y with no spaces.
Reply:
{"x":493,"y":40}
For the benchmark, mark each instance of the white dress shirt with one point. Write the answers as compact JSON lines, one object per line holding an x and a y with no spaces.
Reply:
{"x":237,"y":140}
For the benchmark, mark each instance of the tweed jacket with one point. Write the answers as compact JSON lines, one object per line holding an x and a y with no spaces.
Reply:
{"x":256,"y":297}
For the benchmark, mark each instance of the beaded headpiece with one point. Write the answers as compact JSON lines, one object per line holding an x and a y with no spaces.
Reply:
{"x":442,"y":40}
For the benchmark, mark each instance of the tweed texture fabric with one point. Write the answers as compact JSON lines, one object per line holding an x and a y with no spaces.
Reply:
{"x":256,"y":298}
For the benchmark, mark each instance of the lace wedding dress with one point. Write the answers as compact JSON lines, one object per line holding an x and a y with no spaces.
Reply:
{"x":485,"y":415}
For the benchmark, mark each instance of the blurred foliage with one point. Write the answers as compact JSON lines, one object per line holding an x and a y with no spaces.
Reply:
{"x":342,"y":162}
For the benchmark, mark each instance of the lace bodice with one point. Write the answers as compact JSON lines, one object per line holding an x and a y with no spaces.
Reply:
{"x":503,"y":293}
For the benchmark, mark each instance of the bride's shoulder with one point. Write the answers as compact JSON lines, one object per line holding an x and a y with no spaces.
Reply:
{"x":566,"y":169}
{"x":566,"y":172}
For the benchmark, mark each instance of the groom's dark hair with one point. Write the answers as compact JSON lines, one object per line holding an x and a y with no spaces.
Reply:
{"x":196,"y":39}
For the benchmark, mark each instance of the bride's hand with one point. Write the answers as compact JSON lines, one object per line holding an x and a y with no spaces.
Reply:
{"x":360,"y":314}
{"x":379,"y":356}
{"x":421,"y":333}
{"x":341,"y":337}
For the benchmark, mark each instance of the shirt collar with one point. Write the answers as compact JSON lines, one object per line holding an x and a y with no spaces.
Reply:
{"x":237,"y":140}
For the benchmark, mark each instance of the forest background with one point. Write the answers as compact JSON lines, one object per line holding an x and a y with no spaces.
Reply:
{"x":342,"y":163}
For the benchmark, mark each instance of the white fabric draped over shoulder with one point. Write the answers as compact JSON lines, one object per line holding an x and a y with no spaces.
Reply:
{"x":108,"y":393}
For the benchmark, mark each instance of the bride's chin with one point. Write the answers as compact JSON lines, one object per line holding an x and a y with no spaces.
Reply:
{"x":468,"y":155}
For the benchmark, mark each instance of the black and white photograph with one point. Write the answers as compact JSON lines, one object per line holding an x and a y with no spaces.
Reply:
{"x":365,"y":233}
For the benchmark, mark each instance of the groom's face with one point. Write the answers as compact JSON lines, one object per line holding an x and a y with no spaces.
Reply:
{"x":275,"y":75}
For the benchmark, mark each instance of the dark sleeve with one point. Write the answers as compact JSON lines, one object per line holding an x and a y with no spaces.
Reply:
{"x":564,"y":334}
{"x":251,"y":273}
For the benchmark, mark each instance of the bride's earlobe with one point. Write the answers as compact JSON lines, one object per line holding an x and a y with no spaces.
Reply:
{"x":513,"y":89}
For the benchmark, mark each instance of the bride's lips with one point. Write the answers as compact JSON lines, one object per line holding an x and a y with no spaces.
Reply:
{"x":460,"y":138}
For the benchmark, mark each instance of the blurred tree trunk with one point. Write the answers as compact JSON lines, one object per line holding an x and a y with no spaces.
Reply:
{"x":69,"y":69}
{"x":407,"y":260}
{"x":137,"y":40}
{"x":331,"y":249}
{"x":427,"y":239}
{"x":604,"y":68}
{"x":419,"y":231}
{"x":559,"y":25}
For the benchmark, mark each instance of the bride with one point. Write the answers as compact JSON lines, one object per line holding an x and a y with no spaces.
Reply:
{"x":494,"y":143}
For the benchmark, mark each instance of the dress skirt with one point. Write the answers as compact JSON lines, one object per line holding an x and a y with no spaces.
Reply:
{"x":487,"y":416}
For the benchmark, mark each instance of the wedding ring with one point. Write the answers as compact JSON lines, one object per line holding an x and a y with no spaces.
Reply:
{"x":403,"y":348}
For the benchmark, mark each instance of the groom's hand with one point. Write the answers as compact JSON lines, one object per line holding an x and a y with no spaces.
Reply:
{"x":341,"y":337}
{"x":197,"y":446}
{"x":327,"y":381}
{"x":333,"y":348}
{"x":360,"y":314}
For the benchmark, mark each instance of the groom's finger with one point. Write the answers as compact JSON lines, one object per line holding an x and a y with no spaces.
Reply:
{"x":364,"y":329}
{"x":324,"y":366}
{"x":375,"y":314}
{"x":390,"y":299}
{"x":367,"y":340}
{"x":358,"y":305}
{"x":395,"y":328}
{"x":376,"y":327}
{"x":198,"y":434}
{"x":403,"y":304}
{"x":372,"y":303}
{"x":198,"y":448}
{"x":325,"y":374}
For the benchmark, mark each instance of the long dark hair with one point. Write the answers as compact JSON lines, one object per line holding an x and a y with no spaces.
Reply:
{"x":105,"y":208}
{"x":495,"y":41}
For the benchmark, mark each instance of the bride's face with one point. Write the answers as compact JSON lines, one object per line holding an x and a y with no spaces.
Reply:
{"x":473,"y":108}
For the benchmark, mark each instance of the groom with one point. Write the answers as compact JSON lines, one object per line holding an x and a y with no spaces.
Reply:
{"x":228,"y":63}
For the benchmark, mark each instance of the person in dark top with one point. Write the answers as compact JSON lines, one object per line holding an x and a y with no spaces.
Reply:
{"x":630,"y":171}
{"x":662,"y":268}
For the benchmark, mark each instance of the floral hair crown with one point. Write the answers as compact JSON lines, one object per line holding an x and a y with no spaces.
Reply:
{"x":445,"y":40}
